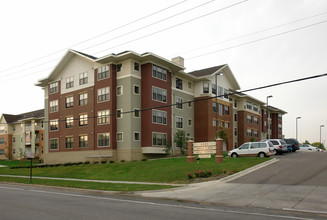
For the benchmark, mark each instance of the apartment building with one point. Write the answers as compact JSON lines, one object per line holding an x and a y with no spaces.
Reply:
{"x":272,"y":126}
{"x":21,"y":134}
{"x":128,"y":106}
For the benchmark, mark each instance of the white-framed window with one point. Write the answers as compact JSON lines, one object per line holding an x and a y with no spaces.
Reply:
{"x":255,"y":120}
{"x":119,"y":90}
{"x":69,"y":142}
{"x":70,"y":122}
{"x":189,"y":122}
{"x":83,"y":120}
{"x":119,"y":67}
{"x":189,"y":104}
{"x":226,"y":124}
{"x":249,"y":132}
{"x":103,"y":94}
{"x":220,"y":109}
{"x":189,"y":85}
{"x":137,"y":136}
{"x":136,"y":66}
{"x":70,"y":102}
{"x":83,"y":141}
{"x":280,"y":117}
{"x":159,"y":117}
{"x":179,"y":103}
{"x":235,"y":131}
{"x":103,"y":117}
{"x":159,"y":139}
{"x":214,"y":122}
{"x":248,"y":105}
{"x":255,"y":132}
{"x":83,"y":99}
{"x":136,"y":113}
{"x":226,"y":110}
{"x":104,"y":140}
{"x":249,"y":118}
{"x":83,"y":78}
{"x":70,"y":82}
{"x":119,"y":113}
{"x":119,"y":136}
{"x":214,"y":88}
{"x":159,"y":94}
{"x":54,"y":125}
{"x":54,"y":106}
{"x":235,"y":117}
{"x":54,"y":87}
{"x":54,"y":144}
{"x":235,"y":103}
{"x":2,"y":140}
{"x":136,"y":90}
{"x":103,"y":72}
{"x":179,"y":122}
{"x":280,"y":127}
{"x":179,"y":84}
{"x":159,"y":72}
{"x":255,"y":107}
{"x":220,"y":91}
{"x":205,"y":87}
{"x":214,"y":106}
{"x":226,"y":93}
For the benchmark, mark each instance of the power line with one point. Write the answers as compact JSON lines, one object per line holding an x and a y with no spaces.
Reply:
{"x":199,"y":99}
{"x":112,"y":30}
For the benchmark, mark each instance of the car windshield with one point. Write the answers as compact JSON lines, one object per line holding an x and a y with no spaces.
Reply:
{"x":244,"y":146}
{"x":282,"y":142}
{"x":289,"y":141}
{"x":274,"y":142}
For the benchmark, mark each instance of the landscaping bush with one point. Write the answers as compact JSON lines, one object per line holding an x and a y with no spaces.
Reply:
{"x":103,"y":161}
{"x":190,"y":175}
{"x":111,"y":161}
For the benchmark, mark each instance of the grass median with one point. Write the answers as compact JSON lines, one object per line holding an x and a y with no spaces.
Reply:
{"x":169,"y":170}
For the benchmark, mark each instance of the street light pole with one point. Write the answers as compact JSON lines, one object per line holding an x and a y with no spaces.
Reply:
{"x":216,"y":81}
{"x":267,"y":116}
{"x":296,"y":126}
{"x":321,"y":126}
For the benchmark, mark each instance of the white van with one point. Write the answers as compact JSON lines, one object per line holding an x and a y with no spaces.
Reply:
{"x":260,"y":149}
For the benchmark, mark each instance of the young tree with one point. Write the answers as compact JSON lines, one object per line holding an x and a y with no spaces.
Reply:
{"x":317,"y":144}
{"x":181,"y":139}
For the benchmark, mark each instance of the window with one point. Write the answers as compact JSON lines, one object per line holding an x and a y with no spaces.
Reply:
{"x":280,"y":127}
{"x":214,"y":107}
{"x":83,"y":99}
{"x":2,"y":129}
{"x":136,"y":113}
{"x":159,"y":94}
{"x":189,"y":85}
{"x":256,"y":133}
{"x":189,"y":104}
{"x":189,"y":122}
{"x":280,"y":117}
{"x":255,"y":120}
{"x":235,"y":103}
{"x":179,"y":103}
{"x":220,"y":91}
{"x":119,"y":90}
{"x":69,"y":102}
{"x":136,"y":66}
{"x":159,"y":73}
{"x":13,"y":151}
{"x":13,"y":140}
{"x":159,"y":139}
{"x":54,"y":125}
{"x":226,"y":110}
{"x":220,"y":109}
{"x":119,"y":113}
{"x":136,"y":90}
{"x":159,"y":117}
{"x":136,"y":136}
{"x":83,"y":120}
{"x":249,"y":118}
{"x":103,"y":140}
{"x":235,"y":117}
{"x":255,"y":107}
{"x":244,"y":146}
{"x":103,"y":94}
{"x":83,"y":78}
{"x":83,"y":141}
{"x":2,"y":152}
{"x":54,"y":106}
{"x":214,"y":89}
{"x":54,"y":144}
{"x":2,"y":141}
{"x":249,"y":132}
{"x":69,"y":142}
{"x":70,"y":122}
{"x":179,"y":122}
{"x":179,"y":84}
{"x":226,"y":125}
{"x":214,"y":122}
{"x":54,"y":87}
{"x":103,"y":117}
{"x":248,"y":105}
{"x":103,"y":72}
{"x":235,"y":131}
{"x":205,"y":87}
{"x":226,"y":92}
{"x":120,"y":136}
{"x":118,"y":67}
{"x":70,"y":82}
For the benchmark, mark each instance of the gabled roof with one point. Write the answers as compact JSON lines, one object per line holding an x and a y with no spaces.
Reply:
{"x":25,"y":116}
{"x":207,"y":71}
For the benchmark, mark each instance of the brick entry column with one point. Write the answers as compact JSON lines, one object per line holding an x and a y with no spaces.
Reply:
{"x":190,"y":156}
{"x":219,"y":150}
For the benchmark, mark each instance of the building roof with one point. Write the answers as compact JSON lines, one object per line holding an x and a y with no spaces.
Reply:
{"x":207,"y":71}
{"x":21,"y":117}
{"x":86,"y":55}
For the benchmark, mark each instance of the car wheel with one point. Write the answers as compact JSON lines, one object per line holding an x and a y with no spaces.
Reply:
{"x":261,"y":155}
{"x":234,"y":155}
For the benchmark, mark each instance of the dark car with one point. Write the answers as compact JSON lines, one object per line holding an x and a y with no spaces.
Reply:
{"x":293,"y":143}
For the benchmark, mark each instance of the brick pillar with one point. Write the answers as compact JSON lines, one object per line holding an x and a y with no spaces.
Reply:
{"x":219,"y":150}
{"x":190,"y":156}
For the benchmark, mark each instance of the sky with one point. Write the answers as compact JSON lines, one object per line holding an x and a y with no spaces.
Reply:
{"x":263,"y":42}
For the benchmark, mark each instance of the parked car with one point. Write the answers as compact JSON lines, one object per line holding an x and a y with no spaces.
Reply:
{"x":260,"y":149}
{"x":308,"y":147}
{"x":293,"y":143}
{"x":279,"y":145}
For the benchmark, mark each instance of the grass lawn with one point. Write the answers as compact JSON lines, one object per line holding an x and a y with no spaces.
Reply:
{"x":170,"y":170}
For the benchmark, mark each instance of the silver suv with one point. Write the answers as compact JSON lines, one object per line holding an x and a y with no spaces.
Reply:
{"x":279,"y":145}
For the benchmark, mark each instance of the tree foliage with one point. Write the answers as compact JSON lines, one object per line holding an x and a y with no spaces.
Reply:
{"x":319,"y":145}
{"x":180,"y":139}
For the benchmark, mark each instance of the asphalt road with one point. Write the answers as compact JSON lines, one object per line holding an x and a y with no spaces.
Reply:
{"x":30,"y":202}
{"x":299,"y":168}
